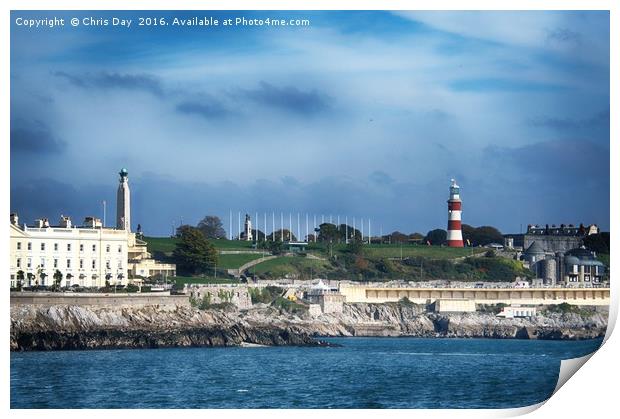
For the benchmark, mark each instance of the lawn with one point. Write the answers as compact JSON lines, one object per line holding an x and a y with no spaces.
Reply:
{"x":166,"y":245}
{"x":291,"y":265}
{"x":234,"y":261}
{"x":405,"y":250}
{"x":429,"y":252}
{"x":181,"y":280}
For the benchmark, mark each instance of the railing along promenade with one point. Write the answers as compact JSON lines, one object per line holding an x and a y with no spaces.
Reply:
{"x":531,"y":296}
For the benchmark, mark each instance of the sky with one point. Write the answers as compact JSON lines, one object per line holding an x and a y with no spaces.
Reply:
{"x":359,"y":114}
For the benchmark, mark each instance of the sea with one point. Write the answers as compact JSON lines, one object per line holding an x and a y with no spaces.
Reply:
{"x":357,"y":373}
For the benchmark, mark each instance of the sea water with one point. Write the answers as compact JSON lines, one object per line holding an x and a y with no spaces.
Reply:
{"x":360,"y":373}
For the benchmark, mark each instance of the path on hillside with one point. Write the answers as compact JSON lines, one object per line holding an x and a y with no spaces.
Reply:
{"x":237,"y":272}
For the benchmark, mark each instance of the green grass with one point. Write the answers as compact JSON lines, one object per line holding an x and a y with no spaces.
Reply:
{"x":166,"y":245}
{"x":408,"y":250}
{"x":284,"y":265}
{"x":429,"y":252}
{"x":181,"y":280}
{"x":234,"y":261}
{"x":160,"y":244}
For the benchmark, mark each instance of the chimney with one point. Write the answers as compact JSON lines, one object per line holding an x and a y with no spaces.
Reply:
{"x":65,"y":221}
{"x":14,"y":219}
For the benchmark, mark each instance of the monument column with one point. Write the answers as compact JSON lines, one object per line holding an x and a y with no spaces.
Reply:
{"x":123,"y":218}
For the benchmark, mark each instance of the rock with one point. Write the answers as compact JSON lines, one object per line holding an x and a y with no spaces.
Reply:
{"x":88,"y":327}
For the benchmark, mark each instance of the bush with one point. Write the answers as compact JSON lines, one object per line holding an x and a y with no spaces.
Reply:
{"x":265,"y":295}
{"x":289,"y":306}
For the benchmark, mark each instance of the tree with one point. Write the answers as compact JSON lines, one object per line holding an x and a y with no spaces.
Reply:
{"x":194,"y":254}
{"x":57,"y":279}
{"x":416,"y":237}
{"x":212,"y":227}
{"x":258,"y":235}
{"x":20,"y":279}
{"x":598,"y":243}
{"x":275,"y":247}
{"x":398,"y":237}
{"x":328,"y":233}
{"x":480,"y":236}
{"x":436,"y":237}
{"x":288,"y":236}
{"x":356,"y":246}
{"x":182,"y":228}
{"x":30,"y":277}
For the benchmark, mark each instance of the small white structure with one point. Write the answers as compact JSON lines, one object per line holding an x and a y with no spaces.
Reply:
{"x":516,"y":311}
{"x":519,"y":283}
{"x":247,"y":235}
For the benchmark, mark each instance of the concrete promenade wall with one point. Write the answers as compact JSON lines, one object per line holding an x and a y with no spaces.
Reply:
{"x":532,"y":296}
{"x":103,"y":300}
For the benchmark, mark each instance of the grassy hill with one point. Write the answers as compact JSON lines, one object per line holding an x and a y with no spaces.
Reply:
{"x":166,"y":245}
{"x":376,"y":262}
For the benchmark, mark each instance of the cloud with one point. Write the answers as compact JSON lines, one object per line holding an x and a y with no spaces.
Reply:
{"x":569,"y":164}
{"x":143,"y":82}
{"x":601,"y":119}
{"x":500,"y":84}
{"x":207,"y":108}
{"x":289,"y":98}
{"x":35,"y":139}
{"x":381,"y":178}
{"x":564,"y":35}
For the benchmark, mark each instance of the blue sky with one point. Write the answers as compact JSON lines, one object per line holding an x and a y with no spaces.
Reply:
{"x":365,"y":114}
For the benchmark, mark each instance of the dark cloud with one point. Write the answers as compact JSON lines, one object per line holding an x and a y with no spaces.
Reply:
{"x":207,"y":108}
{"x":563,"y":35}
{"x":381,"y":178}
{"x":48,"y":198}
{"x":600,"y":119}
{"x":570,"y":164}
{"x":289,"y":98}
{"x":143,"y":82}
{"x":35,"y":138}
{"x":504,"y":85}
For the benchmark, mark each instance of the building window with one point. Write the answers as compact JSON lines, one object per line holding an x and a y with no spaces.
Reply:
{"x":19,"y":245}
{"x":94,"y":264}
{"x":107,"y":264}
{"x":55,"y":263}
{"x":68,"y":247}
{"x":42,"y":246}
{"x":68,"y":263}
{"x":29,"y":245}
{"x":56,"y":247}
{"x":29,"y":265}
{"x":120,"y":249}
{"x":81,"y":247}
{"x":107,"y":248}
{"x":81,"y":263}
{"x":120,"y":264}
{"x":43,"y":262}
{"x":19,"y":263}
{"x":94,"y":247}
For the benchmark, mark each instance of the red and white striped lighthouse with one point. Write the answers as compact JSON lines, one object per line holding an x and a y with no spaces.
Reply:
{"x":455,"y":236}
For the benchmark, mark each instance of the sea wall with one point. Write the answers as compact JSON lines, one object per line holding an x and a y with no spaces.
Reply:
{"x":98,"y":299}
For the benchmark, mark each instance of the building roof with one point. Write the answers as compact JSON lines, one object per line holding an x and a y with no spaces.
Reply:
{"x":535,"y":249}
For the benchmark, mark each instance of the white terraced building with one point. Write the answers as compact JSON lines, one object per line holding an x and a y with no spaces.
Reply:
{"x":87,"y":255}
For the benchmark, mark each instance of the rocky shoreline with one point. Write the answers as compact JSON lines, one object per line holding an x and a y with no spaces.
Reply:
{"x":69,"y":327}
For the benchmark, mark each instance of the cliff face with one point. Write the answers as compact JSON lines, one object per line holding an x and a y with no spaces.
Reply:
{"x":413,"y":321}
{"x":81,"y":327}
